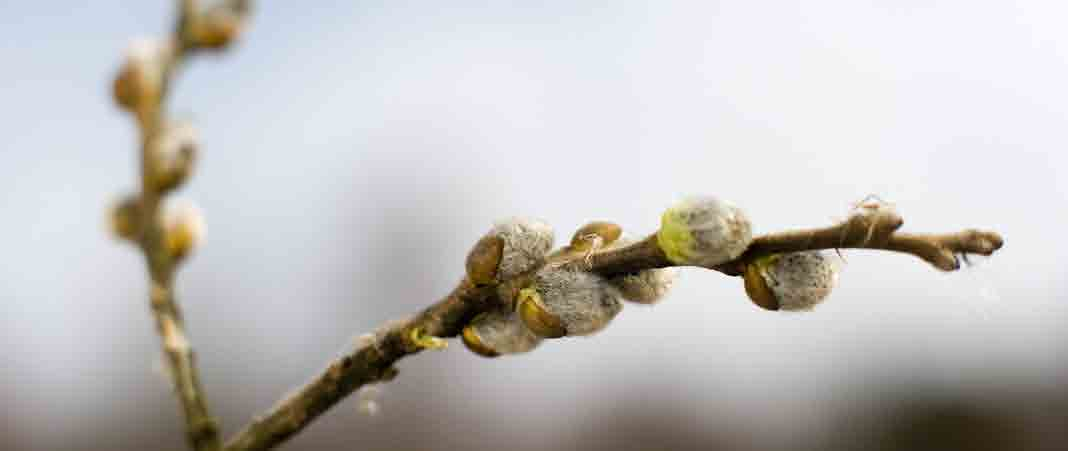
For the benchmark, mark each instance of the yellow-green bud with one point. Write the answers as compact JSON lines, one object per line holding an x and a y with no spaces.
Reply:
{"x":703,"y":231}
{"x":483,"y":260}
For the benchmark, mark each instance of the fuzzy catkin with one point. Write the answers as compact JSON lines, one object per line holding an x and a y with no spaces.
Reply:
{"x":585,"y":303}
{"x":504,"y":332}
{"x":704,"y":231}
{"x":646,"y":287}
{"x":526,"y":242}
{"x":801,"y":280}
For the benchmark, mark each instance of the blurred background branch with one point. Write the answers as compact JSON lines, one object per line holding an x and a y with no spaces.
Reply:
{"x":167,"y":158}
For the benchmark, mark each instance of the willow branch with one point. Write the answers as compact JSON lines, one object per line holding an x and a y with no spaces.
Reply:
{"x":869,"y":228}
{"x":142,"y":87}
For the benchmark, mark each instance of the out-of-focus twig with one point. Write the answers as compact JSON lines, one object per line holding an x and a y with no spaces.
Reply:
{"x":166,"y":160}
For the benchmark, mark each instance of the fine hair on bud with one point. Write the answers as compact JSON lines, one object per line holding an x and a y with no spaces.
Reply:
{"x":526,"y":242}
{"x":646,"y":287}
{"x":703,"y":231}
{"x":177,"y":151}
{"x":183,"y":228}
{"x":576,"y":302}
{"x":499,"y":332}
{"x":796,"y":281}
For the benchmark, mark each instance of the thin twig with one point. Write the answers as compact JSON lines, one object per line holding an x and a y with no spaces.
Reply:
{"x":202,"y":430}
{"x":145,"y":95}
{"x":872,"y":228}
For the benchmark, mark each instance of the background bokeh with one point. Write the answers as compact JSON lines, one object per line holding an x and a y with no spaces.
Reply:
{"x":352,"y":151}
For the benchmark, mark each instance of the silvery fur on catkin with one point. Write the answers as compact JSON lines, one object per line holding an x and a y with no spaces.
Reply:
{"x":646,"y":287}
{"x":584,"y":302}
{"x":721,"y":230}
{"x":801,"y":280}
{"x":504,"y":332}
{"x":526,"y":241}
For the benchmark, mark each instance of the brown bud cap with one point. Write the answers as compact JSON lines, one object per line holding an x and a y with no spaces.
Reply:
{"x":483,"y":260}
{"x":216,"y":29}
{"x":537,"y":317}
{"x":474,"y":343}
{"x":757,"y":288}
{"x":125,"y":218}
{"x":595,"y":234}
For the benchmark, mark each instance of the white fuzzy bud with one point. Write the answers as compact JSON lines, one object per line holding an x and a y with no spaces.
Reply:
{"x":646,"y":287}
{"x":526,"y":242}
{"x":499,"y":332}
{"x":583,"y":303}
{"x":703,"y":231}
{"x":800,"y":280}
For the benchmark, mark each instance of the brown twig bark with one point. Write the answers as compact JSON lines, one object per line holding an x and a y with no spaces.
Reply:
{"x":872,"y":227}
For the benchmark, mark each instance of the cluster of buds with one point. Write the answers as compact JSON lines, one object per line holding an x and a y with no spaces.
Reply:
{"x":182,"y":226}
{"x":170,"y":164}
{"x":170,"y":147}
{"x":560,"y":298}
{"x":142,"y":76}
